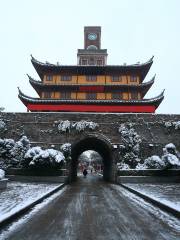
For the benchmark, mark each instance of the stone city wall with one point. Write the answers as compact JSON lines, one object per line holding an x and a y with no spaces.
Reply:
{"x":42,"y":130}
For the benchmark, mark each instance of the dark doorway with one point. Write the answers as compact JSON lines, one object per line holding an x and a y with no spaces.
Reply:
{"x":101,"y":146}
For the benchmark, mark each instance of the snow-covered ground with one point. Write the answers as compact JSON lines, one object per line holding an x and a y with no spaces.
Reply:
{"x":168,"y":194}
{"x":18,"y":195}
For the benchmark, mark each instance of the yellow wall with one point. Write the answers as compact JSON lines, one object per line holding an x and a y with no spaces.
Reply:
{"x":53,"y":81}
{"x":72,"y":81}
{"x":125,"y":96}
{"x":51,"y":95}
{"x":73,"y":95}
{"x":56,"y":95}
{"x":133,"y":83}
{"x":81,"y":95}
{"x":139,"y":96}
{"x":101,"y":96}
{"x":81,"y":79}
{"x":108,"y":95}
{"x":99,"y":80}
{"x":123,"y":80}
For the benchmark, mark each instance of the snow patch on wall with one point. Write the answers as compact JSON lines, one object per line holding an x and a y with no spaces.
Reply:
{"x":80,"y":126}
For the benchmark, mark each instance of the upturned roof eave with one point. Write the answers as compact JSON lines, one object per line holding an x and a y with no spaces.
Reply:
{"x":152,"y":101}
{"x":43,"y":68}
{"x":39,"y":86}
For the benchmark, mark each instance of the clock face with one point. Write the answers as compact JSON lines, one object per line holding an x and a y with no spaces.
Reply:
{"x":92,"y":36}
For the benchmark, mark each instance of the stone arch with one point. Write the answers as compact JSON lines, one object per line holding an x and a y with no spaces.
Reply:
{"x":98,"y":143}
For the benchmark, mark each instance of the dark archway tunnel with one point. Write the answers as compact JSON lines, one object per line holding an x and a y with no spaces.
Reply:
{"x":103,"y":147}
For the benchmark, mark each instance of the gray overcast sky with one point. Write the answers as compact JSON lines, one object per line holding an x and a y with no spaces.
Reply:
{"x":132,"y":31}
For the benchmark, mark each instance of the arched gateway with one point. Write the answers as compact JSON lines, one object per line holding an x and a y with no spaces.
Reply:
{"x":99,"y":144}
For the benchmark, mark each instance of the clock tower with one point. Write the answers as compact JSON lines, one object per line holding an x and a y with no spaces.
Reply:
{"x":92,"y":54}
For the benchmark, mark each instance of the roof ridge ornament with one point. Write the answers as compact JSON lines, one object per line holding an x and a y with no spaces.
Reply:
{"x":151,"y":59}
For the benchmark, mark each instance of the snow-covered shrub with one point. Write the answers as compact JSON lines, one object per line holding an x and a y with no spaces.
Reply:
{"x":170,"y":124}
{"x":5,"y":147}
{"x":153,"y":162}
{"x":20,"y":148}
{"x":64,"y":126}
{"x":66,"y":149}
{"x":131,"y":159}
{"x":48,"y":158}
{"x":82,"y":125}
{"x":129,"y":150}
{"x":2,"y":174}
{"x":176,"y":125}
{"x":170,"y":148}
{"x":170,"y":160}
{"x":123,"y":166}
{"x":2,"y":126}
{"x":13,"y":152}
{"x":67,"y":126}
{"x":30,"y":154}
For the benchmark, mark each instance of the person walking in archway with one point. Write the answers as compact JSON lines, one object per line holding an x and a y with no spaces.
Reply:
{"x":85,"y":172}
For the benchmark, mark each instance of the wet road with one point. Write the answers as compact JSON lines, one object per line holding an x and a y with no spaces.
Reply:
{"x":91,"y":209}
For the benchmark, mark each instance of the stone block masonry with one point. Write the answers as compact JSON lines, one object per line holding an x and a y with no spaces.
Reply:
{"x":41,"y":129}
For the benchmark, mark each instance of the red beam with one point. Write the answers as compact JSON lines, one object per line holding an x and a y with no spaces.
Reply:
{"x":92,"y":88}
{"x":90,"y":108}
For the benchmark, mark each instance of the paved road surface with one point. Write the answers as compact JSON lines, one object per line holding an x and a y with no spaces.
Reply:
{"x":91,"y":209}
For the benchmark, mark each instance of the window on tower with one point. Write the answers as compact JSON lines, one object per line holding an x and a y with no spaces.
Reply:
{"x":91,"y":78}
{"x":117,"y":96}
{"x":66,"y":78}
{"x":84,"y":62}
{"x":116,"y":78}
{"x":65,"y":95}
{"x":133,"y":78}
{"x":134,"y":95}
{"x":99,"y":62}
{"x":91,"y":96}
{"x":47,"y":94}
{"x":91,"y":61}
{"x":49,"y":78}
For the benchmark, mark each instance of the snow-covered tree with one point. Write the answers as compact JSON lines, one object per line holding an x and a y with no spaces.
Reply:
{"x":2,"y":126}
{"x":129,"y":150}
{"x":2,"y":174}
